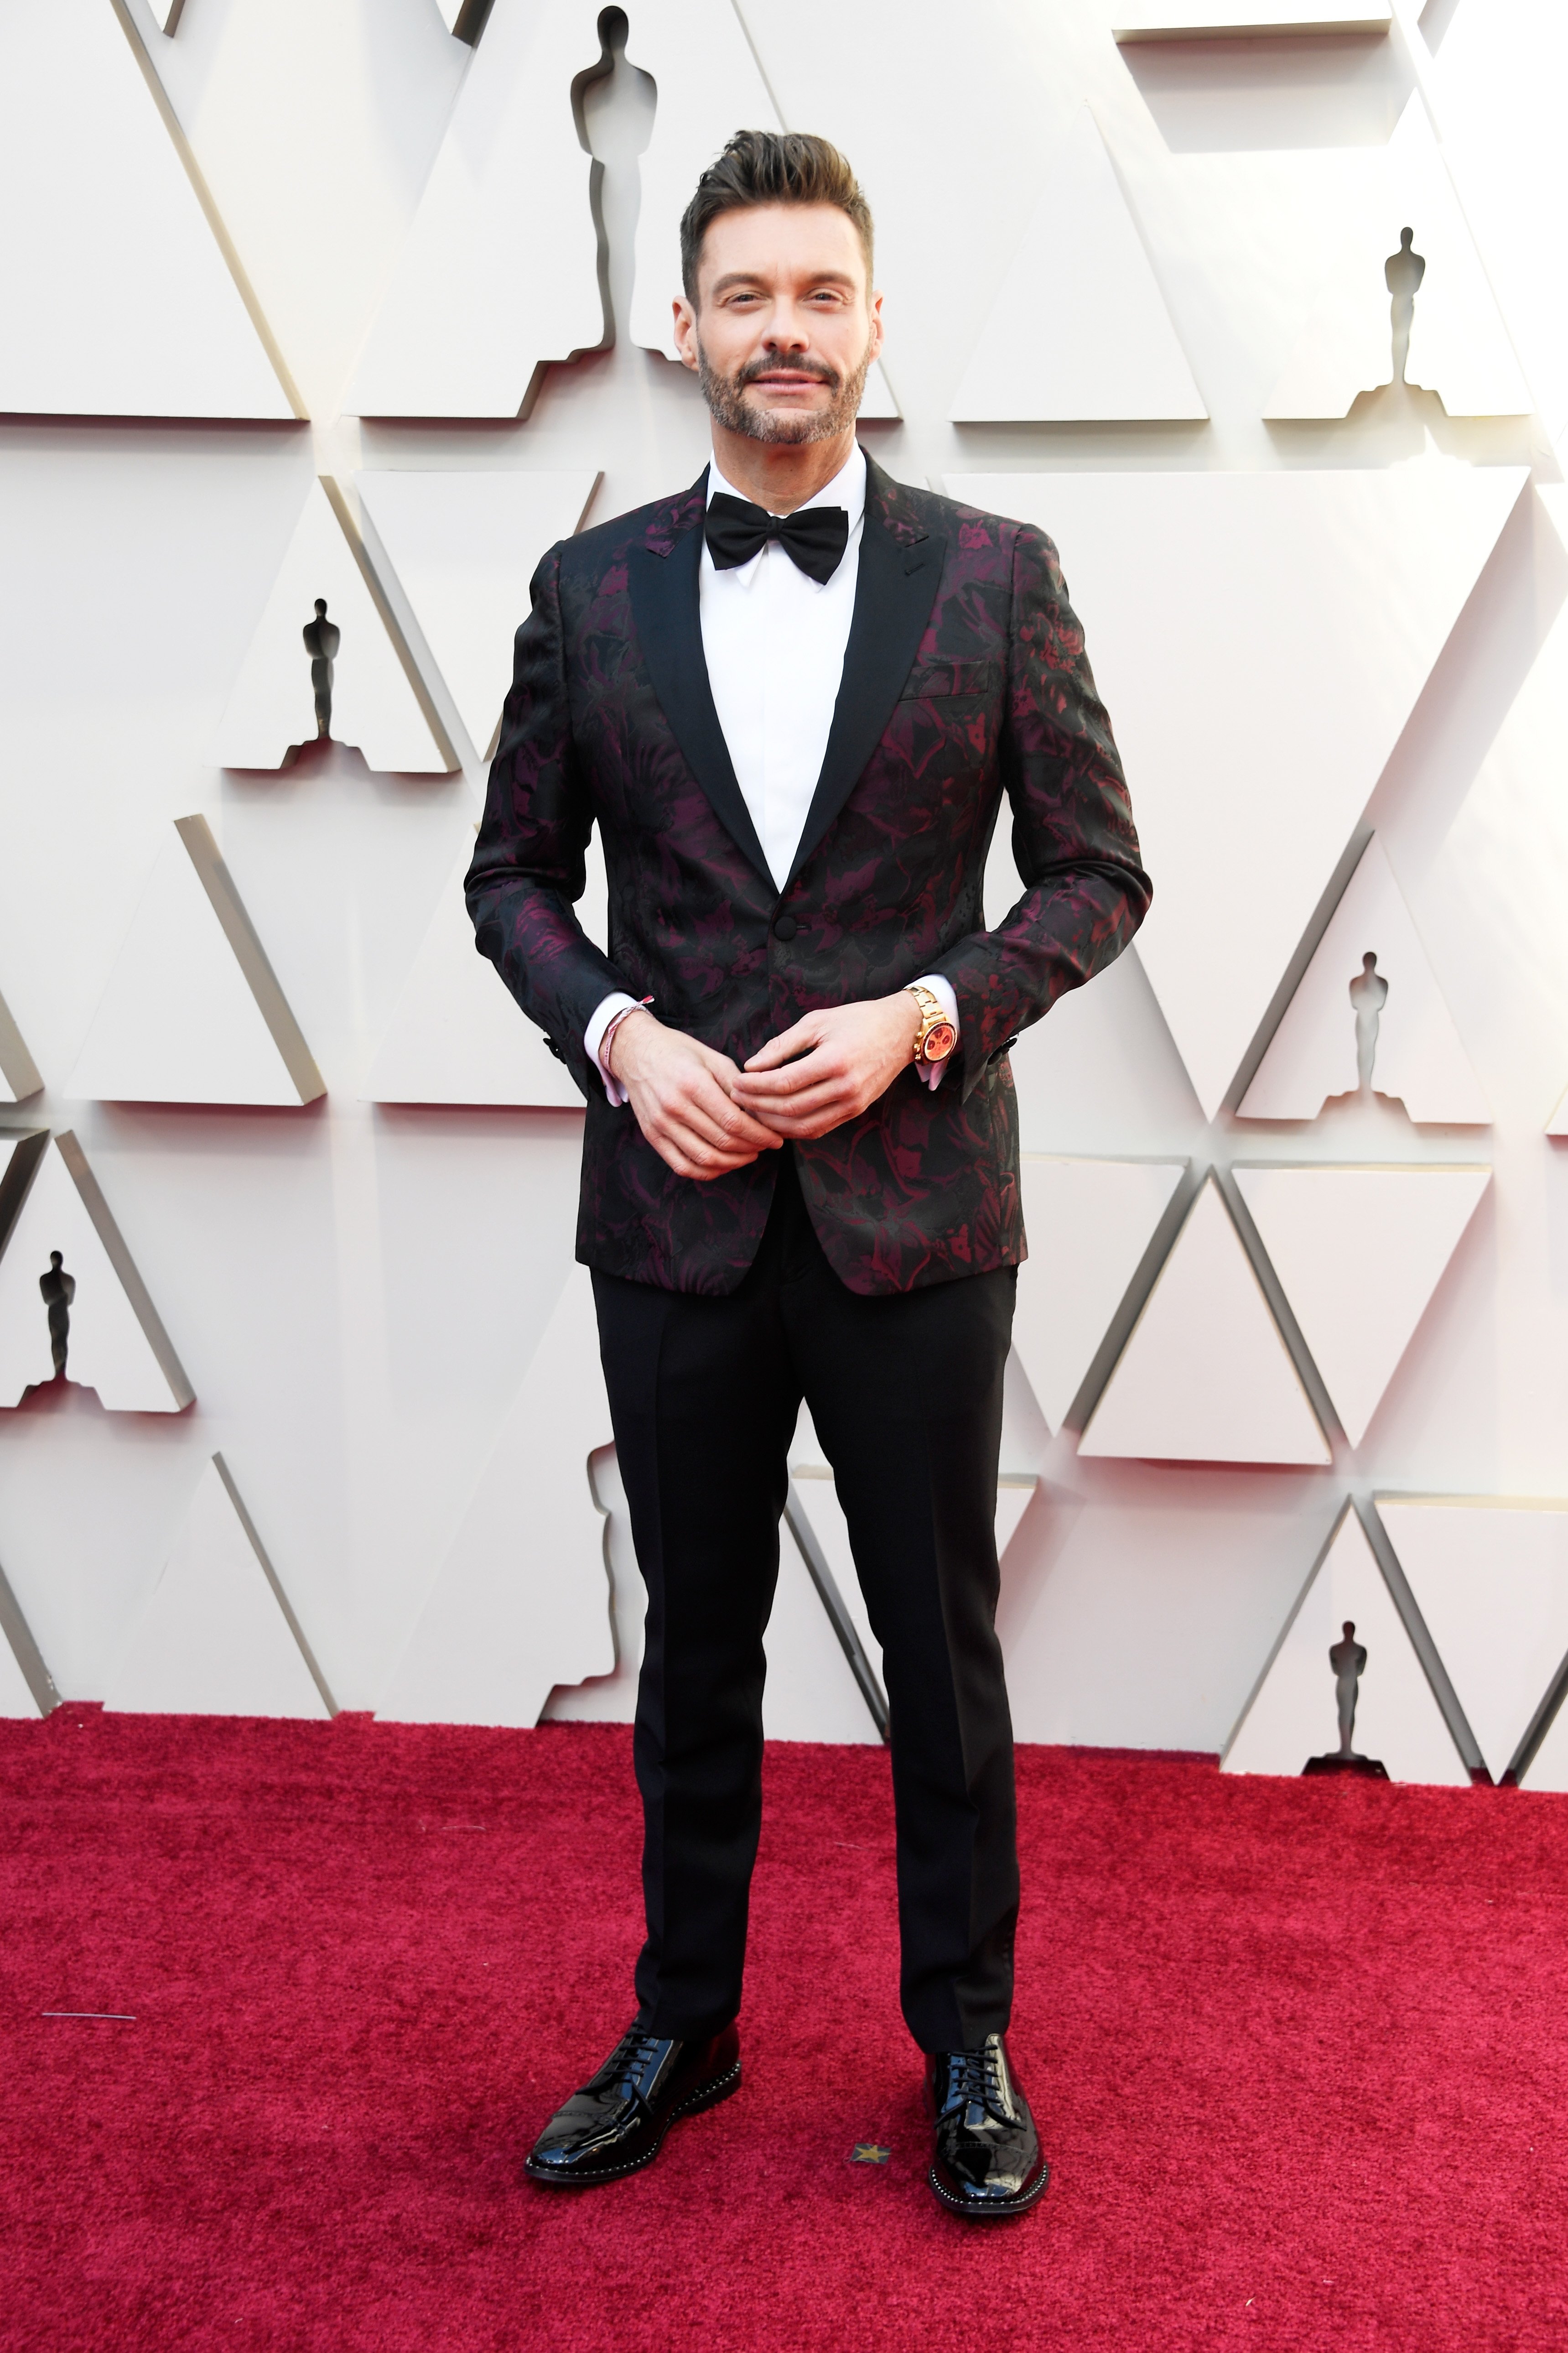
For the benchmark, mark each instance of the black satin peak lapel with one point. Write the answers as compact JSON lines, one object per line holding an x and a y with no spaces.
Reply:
{"x":664,"y":594}
{"x":894,"y":593}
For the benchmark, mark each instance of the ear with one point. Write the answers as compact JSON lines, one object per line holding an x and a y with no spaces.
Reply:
{"x":685,"y":331}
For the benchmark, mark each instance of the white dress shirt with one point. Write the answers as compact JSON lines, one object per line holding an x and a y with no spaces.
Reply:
{"x":773,"y":641}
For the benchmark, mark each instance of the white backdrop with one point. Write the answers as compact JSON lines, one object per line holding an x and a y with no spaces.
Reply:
{"x":1341,"y":622}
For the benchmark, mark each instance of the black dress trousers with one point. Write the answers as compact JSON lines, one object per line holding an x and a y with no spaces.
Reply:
{"x":906,"y":1394}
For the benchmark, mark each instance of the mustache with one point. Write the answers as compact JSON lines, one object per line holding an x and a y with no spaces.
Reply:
{"x":802,"y":364}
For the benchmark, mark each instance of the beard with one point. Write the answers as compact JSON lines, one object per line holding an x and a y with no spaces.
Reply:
{"x":728,"y":406}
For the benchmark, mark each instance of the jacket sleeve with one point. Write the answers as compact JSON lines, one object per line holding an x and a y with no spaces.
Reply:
{"x":528,"y":871}
{"x":1074,"y":844}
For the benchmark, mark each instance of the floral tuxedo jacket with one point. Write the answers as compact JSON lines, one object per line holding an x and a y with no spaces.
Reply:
{"x":965,"y":679}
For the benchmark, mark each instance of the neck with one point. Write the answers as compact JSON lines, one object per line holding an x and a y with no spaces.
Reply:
{"x":780,"y":475}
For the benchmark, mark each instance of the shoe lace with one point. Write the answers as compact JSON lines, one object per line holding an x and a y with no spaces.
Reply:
{"x":975,"y":2079}
{"x":634,"y":2054}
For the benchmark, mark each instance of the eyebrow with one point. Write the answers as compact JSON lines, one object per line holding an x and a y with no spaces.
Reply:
{"x":752,"y":278}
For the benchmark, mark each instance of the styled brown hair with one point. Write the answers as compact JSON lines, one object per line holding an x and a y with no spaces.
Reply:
{"x":770,"y":167}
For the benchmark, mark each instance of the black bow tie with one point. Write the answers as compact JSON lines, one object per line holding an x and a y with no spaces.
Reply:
{"x":814,"y":537}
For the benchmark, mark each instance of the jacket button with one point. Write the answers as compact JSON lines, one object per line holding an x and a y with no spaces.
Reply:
{"x":784,"y":927}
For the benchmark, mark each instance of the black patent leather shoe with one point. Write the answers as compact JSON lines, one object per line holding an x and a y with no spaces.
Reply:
{"x":987,"y":2160}
{"x":617,"y":2122}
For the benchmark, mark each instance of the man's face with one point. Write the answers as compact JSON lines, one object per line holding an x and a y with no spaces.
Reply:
{"x":785,"y":326}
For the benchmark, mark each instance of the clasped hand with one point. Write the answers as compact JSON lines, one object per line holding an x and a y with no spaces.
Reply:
{"x":705,"y":1116}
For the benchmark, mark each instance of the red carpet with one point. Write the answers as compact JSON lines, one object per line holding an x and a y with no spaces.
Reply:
{"x":1299,"y":2051}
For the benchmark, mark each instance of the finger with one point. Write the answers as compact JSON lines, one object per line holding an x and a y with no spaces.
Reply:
{"x":734,"y":1125}
{"x":700,"y":1172}
{"x":785,"y":1046}
{"x":712,"y":1123}
{"x":780,"y":1085}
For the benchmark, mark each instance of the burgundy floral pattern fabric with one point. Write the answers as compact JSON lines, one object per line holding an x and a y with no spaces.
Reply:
{"x":986,"y":696}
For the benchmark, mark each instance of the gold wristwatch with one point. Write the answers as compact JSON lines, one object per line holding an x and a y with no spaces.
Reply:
{"x":936,"y":1036}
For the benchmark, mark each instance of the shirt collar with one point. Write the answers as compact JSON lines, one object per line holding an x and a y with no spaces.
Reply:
{"x":847,"y":489}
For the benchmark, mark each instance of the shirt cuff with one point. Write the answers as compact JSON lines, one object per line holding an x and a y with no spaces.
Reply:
{"x":617,"y":1002}
{"x":942,"y":991}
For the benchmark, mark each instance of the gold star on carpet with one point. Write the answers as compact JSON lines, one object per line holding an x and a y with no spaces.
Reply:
{"x":868,"y":2153}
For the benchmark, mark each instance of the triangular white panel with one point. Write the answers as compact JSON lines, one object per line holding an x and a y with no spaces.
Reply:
{"x":457,"y":1034}
{"x":192,"y":1011}
{"x":1089,"y":1223}
{"x":1205,"y":1376}
{"x":815,"y":1493}
{"x":499,"y":270}
{"x":1548,"y":1768}
{"x":272,"y":706}
{"x":1121,"y":356}
{"x":1418,"y":1055}
{"x":116,"y":1344}
{"x":1491,"y":1579}
{"x":1294,"y":1714}
{"x":1460,"y":347}
{"x":878,"y":401}
{"x":1201,"y":20}
{"x":1321,"y":600}
{"x":1015,"y":1491}
{"x":811,"y":1692}
{"x":522,"y":1599}
{"x":216,"y":1637}
{"x":15,"y":1695}
{"x":710,"y":86}
{"x":463,"y":546}
{"x":1558,"y":1124}
{"x":19,"y":1074}
{"x":116,"y":297}
{"x":1359,"y":1253}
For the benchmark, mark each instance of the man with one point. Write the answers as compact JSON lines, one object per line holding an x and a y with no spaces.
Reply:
{"x":792,"y":698}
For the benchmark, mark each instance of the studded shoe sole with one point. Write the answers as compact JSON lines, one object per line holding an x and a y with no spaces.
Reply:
{"x":706,"y":2095}
{"x":992,"y":2210}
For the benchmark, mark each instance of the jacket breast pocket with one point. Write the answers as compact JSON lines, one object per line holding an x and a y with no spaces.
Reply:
{"x":928,"y":679}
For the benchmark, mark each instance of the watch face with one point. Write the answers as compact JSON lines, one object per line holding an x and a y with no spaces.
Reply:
{"x":939,"y":1040}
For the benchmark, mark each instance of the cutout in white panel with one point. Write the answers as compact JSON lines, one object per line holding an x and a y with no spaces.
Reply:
{"x":218,"y":1636}
{"x":192,"y":1012}
{"x":1245,"y":577}
{"x":115,"y":1341}
{"x":1491,"y":1579}
{"x":1558,"y":1124}
{"x":457,"y":1034}
{"x":1208,"y":20}
{"x":1458,"y":345}
{"x":1359,"y":1253}
{"x":1293,"y":1713}
{"x":1089,"y":1223}
{"x":522,"y":1599}
{"x":1079,"y":328}
{"x":1205,"y":1376}
{"x":463,"y":546}
{"x":116,"y":296}
{"x":19,"y":1074}
{"x":1352,"y":1021}
{"x":466,"y":322}
{"x":272,"y":708}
